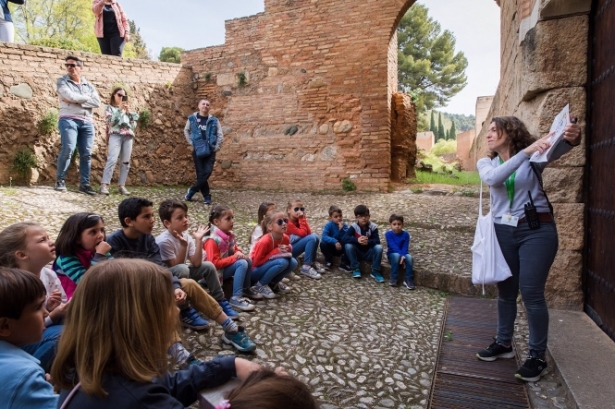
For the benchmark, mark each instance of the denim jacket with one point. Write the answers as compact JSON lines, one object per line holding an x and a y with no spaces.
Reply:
{"x":213,"y":131}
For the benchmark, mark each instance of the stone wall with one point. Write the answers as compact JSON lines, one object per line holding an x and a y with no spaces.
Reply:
{"x":464,"y":143}
{"x":541,"y":71}
{"x":304,"y":93}
{"x":425,"y":140}
{"x":403,"y":137}
{"x":28,"y":77}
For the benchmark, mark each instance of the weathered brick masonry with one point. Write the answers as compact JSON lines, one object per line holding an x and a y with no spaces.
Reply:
{"x":316,"y":104}
{"x":303,"y":91}
{"x":28,"y":91}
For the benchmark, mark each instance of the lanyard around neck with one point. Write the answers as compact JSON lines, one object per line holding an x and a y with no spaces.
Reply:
{"x":510,"y":186}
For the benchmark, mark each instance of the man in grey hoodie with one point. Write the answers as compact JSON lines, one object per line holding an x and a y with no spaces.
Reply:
{"x":78,"y":98}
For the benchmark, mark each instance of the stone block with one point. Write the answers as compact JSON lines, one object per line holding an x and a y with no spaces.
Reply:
{"x":554,"y":55}
{"x":22,"y":91}
{"x":564,"y":185}
{"x":564,"y":287}
{"x":225,"y":79}
{"x":570,"y":221}
{"x":344,"y":126}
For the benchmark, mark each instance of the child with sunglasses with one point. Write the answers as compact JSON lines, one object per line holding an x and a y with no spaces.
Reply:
{"x":303,"y":240}
{"x":272,"y":258}
{"x":80,"y":244}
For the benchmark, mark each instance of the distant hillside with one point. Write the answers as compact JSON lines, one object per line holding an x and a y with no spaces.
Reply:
{"x":462,"y":122}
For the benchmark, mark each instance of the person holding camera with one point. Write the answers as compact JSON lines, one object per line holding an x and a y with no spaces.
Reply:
{"x":121,"y":124}
{"x":525,"y":229}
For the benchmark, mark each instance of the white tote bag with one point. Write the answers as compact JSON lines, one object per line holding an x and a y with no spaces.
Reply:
{"x":488,"y":263}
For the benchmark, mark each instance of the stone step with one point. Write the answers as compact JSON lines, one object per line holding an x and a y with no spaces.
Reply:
{"x":584,"y":358}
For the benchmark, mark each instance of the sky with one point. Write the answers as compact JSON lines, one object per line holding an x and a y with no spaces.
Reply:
{"x":191,"y":24}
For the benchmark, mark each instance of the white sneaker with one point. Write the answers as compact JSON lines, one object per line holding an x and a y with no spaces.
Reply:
{"x":310,"y":272}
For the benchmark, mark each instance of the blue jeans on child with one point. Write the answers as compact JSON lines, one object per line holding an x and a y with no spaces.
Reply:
{"x":355,"y":256}
{"x":273,"y":271}
{"x":45,"y":349}
{"x":307,"y":245}
{"x":394,"y":260}
{"x":241,"y":271}
{"x":80,"y":134}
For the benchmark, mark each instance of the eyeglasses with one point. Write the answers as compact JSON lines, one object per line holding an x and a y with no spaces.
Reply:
{"x":70,"y":65}
{"x":297,"y":209}
{"x":280,"y":222}
{"x":120,"y":95}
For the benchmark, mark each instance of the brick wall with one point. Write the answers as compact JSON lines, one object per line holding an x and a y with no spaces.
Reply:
{"x":425,"y":140}
{"x":28,"y":77}
{"x":315,"y":106}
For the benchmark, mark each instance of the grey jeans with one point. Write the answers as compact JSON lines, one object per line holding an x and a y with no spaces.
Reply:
{"x":529,"y":254}
{"x":206,"y":271}
{"x":118,"y":146}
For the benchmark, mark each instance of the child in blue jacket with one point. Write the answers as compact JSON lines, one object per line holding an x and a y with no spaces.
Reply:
{"x":398,"y":243}
{"x":331,"y":240}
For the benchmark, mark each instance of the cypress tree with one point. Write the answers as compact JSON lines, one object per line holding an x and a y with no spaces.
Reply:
{"x":432,"y":124}
{"x":453,"y":131}
{"x":441,"y":134}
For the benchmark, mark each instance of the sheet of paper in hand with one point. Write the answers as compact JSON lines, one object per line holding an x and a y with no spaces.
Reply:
{"x":557,"y":130}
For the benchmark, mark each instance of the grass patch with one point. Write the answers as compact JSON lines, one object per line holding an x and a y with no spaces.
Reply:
{"x":463,"y":178}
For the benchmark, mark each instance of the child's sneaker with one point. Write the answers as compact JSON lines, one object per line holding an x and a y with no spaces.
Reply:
{"x":409,"y":283}
{"x":495,"y":351}
{"x":207,"y":200}
{"x":345,"y":268}
{"x":190,"y":361}
{"x":393,"y":282}
{"x":309,"y":271}
{"x":293,"y":276}
{"x":228,"y":310}
{"x":239,"y":340}
{"x":191,"y":319}
{"x":241,"y":304}
{"x":328,"y":265}
{"x":281,"y":288}
{"x":377,"y":276}
{"x":252,"y":293}
{"x":532,"y":369}
{"x":356,"y":273}
{"x":319,"y":269}
{"x":189,"y":194}
{"x":266,"y":292}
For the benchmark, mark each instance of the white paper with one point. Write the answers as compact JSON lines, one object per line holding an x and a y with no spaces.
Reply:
{"x":557,"y":130}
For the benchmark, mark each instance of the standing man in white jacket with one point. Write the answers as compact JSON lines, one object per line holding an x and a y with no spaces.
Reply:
{"x":78,"y":98}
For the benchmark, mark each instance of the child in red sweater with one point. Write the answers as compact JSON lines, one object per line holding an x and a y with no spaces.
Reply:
{"x":222,"y":250}
{"x":272,"y":256}
{"x":303,"y":240}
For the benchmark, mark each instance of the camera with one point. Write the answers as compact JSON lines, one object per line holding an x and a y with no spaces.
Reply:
{"x":124,"y":98}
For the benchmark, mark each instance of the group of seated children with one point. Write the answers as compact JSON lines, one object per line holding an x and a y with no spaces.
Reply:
{"x":188,"y":262}
{"x":112,"y":353}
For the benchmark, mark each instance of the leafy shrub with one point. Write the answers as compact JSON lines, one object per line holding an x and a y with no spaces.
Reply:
{"x":48,"y":123}
{"x":145,"y":118}
{"x":443,"y":147}
{"x":242,"y":79}
{"x":348,"y":185}
{"x":23,"y":161}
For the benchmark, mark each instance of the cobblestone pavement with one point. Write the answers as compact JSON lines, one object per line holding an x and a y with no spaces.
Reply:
{"x":357,"y":344}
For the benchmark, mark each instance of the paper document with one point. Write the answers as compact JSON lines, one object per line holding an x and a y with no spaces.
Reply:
{"x":557,"y":130}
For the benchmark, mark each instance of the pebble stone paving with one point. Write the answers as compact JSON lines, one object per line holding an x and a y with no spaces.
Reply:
{"x":358,"y":344}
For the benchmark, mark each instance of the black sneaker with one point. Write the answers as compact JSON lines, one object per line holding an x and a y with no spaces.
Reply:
{"x":87,"y":189}
{"x":532,"y":369}
{"x":207,"y":200}
{"x":60,"y":186}
{"x":345,"y":268}
{"x":495,"y":351}
{"x":409,"y":283}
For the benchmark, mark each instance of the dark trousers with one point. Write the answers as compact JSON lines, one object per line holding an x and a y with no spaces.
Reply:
{"x":111,"y":45}
{"x":329,"y":251}
{"x":204,"y":167}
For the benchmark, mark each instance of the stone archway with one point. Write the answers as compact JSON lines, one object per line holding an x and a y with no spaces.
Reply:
{"x":314,"y":103}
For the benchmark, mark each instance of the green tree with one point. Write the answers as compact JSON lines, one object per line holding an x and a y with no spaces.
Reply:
{"x":427,"y":61}
{"x":171,"y":54}
{"x":432,"y":123}
{"x":453,"y":131}
{"x":65,"y":24}
{"x":136,"y":48}
{"x":441,"y":134}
